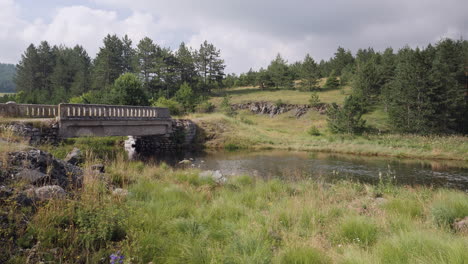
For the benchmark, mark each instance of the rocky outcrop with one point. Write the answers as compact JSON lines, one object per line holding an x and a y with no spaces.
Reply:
{"x":40,"y":168}
{"x":46,"y":132}
{"x":272,"y":109}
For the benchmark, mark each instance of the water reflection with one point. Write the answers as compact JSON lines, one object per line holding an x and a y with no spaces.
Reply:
{"x":295,"y":165}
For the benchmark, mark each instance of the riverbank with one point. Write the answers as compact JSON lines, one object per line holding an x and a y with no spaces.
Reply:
{"x":286,"y":132}
{"x":165,"y":215}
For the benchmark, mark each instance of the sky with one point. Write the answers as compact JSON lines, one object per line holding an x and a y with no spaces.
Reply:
{"x":249,"y":33}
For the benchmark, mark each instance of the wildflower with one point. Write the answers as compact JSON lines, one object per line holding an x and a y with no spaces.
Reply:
{"x":116,"y":258}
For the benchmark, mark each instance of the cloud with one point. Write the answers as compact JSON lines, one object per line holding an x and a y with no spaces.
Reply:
{"x":249,"y":33}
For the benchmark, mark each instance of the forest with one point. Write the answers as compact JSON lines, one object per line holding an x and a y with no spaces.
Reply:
{"x":7,"y":73}
{"x":423,"y":90}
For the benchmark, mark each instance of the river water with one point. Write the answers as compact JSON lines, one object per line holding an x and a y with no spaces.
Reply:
{"x":290,"y":165}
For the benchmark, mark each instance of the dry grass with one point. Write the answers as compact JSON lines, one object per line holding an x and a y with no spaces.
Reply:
{"x":246,"y":94}
{"x":286,"y":132}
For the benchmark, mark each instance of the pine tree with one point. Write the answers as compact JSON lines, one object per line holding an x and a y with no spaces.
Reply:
{"x":128,"y":55}
{"x":346,"y":119}
{"x":341,"y":60}
{"x":26,"y":70}
{"x":309,"y":73}
{"x":146,"y":56}
{"x":186,"y":64}
{"x":279,"y":73}
{"x":108,"y":64}
{"x":332,"y":81}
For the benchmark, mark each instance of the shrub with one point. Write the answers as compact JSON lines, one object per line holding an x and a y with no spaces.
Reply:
{"x":314,"y":100}
{"x":303,"y":255}
{"x":279,"y":103}
{"x":313,"y":131}
{"x":346,"y":119}
{"x":448,"y":207}
{"x":226,"y":106}
{"x":175,"y":108}
{"x":204,"y":107}
{"x":358,"y":230}
{"x":186,"y":97}
{"x":332,"y":81}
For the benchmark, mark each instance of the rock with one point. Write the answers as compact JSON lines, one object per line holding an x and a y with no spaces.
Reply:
{"x":99,"y":168}
{"x":5,"y":191}
{"x":185,"y":162}
{"x":216,"y":175}
{"x":10,"y":102}
{"x":32,"y":176}
{"x":58,"y":171}
{"x":461,"y":225}
{"x":120,"y":192}
{"x":74,"y":157}
{"x":50,"y":192}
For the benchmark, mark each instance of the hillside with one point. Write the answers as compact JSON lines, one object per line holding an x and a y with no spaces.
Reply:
{"x":7,"y":72}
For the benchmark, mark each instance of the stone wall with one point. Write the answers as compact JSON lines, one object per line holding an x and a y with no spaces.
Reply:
{"x":34,"y":133}
{"x":182,"y":137}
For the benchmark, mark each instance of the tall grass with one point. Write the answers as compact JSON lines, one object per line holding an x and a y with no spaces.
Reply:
{"x":175,"y":216}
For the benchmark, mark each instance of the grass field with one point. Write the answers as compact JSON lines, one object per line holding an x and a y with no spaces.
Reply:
{"x":176,"y":216}
{"x":247,"y":130}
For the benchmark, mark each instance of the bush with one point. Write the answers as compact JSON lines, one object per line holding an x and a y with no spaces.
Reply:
{"x":314,"y":100}
{"x":304,"y":255}
{"x":226,"y":106}
{"x":358,"y":230}
{"x":279,"y":103}
{"x":186,"y":97}
{"x":313,"y":131}
{"x":346,"y":119}
{"x":448,"y":207}
{"x":204,"y":107}
{"x":175,"y":108}
{"x":332,"y":81}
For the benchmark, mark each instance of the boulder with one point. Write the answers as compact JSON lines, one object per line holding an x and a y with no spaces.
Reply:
{"x":32,"y":176}
{"x":33,"y":164}
{"x":74,"y":157}
{"x":49,"y":192}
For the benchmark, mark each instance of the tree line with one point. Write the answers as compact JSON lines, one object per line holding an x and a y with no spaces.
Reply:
{"x":422,"y":90}
{"x":55,"y":74}
{"x":7,"y":72}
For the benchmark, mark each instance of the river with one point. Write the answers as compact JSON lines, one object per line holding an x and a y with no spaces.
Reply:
{"x":289,"y":165}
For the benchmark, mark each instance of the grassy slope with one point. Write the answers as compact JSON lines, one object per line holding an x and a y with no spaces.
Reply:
{"x":179,"y":217}
{"x":248,"y":130}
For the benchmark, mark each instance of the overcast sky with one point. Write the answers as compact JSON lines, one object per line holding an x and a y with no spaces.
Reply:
{"x":248,"y":32}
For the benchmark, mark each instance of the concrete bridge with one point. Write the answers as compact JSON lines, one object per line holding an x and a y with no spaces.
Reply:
{"x":76,"y":120}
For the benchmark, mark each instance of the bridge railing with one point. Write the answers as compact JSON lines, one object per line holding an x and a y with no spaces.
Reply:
{"x":111,"y":112}
{"x":28,"y":110}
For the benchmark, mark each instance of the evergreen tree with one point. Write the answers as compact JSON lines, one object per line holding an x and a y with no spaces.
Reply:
{"x":309,"y":73}
{"x":146,"y":57}
{"x":210,"y":66}
{"x":279,"y":73}
{"x":186,"y":64}
{"x":26,"y":71}
{"x":346,"y":119}
{"x":108,"y":64}
{"x":128,"y":55}
{"x":341,"y":60}
{"x":186,"y":97}
{"x":332,"y":81}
